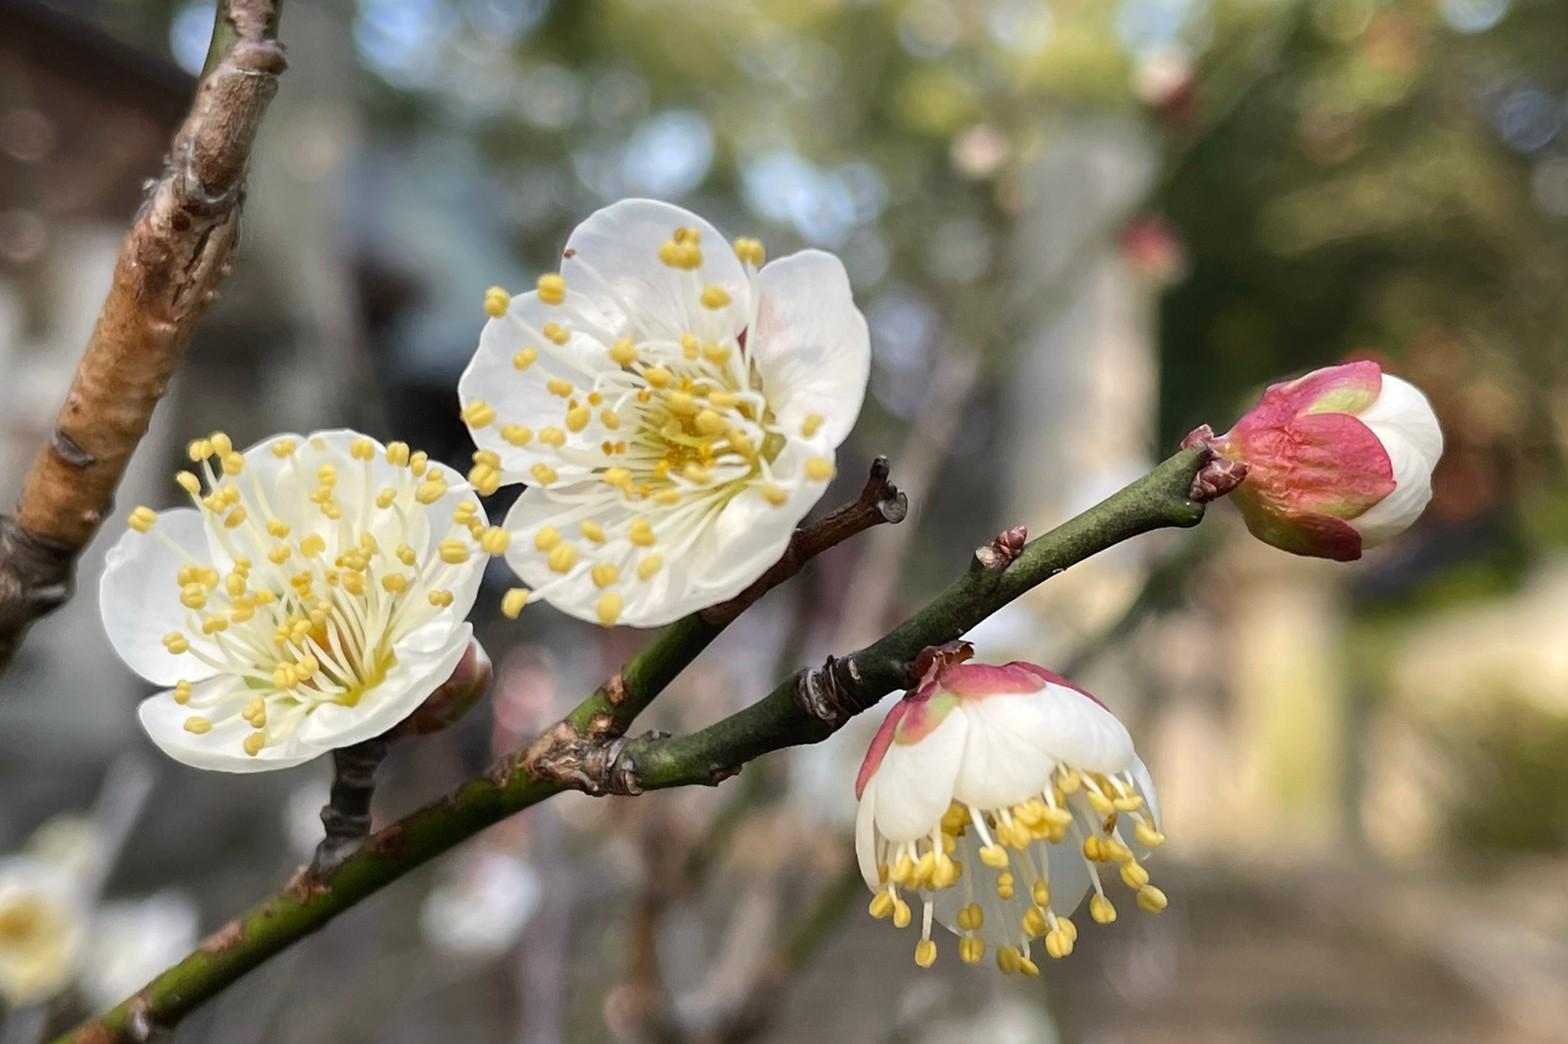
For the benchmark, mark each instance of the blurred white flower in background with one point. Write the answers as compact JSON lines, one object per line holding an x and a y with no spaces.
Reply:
{"x":43,"y":919}
{"x":132,"y":940}
{"x":480,"y":904}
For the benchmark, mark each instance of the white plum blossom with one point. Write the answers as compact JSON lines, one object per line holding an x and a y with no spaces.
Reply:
{"x":133,"y":940}
{"x":43,"y":921}
{"x":998,"y":797}
{"x":312,"y":597}
{"x":674,"y":406}
{"x":480,"y":904}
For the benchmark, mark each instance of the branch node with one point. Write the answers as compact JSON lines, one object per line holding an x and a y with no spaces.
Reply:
{"x":832,"y":693}
{"x":1003,"y":550}
{"x":1217,"y":475}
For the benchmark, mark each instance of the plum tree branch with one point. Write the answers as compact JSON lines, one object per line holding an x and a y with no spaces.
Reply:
{"x":170,"y":265}
{"x":587,"y":750}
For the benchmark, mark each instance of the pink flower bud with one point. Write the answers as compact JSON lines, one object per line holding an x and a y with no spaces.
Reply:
{"x":1338,"y":460}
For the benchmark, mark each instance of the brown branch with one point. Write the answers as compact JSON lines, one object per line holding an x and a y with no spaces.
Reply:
{"x":170,"y":265}
{"x":346,"y":815}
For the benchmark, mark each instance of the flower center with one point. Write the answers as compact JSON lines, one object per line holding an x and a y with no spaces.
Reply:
{"x":987,"y":873}
{"x":328,"y":567}
{"x":20,"y":921}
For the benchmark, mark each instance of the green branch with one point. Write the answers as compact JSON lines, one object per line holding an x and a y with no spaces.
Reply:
{"x":585,"y":751}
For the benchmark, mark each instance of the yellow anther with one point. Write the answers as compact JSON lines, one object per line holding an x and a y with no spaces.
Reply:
{"x":312,"y":545}
{"x":1101,"y":909}
{"x":279,"y":554}
{"x":1007,"y":960}
{"x":496,"y":302}
{"x":1151,"y":899}
{"x":198,"y":725}
{"x":417,"y":462}
{"x":559,"y":386}
{"x":902,"y":872}
{"x":395,"y":583}
{"x":1100,"y":803}
{"x":925,"y":953}
{"x":233,"y":463}
{"x":641,"y":533}
{"x":682,"y":403}
{"x":440,"y":598}
{"x":881,"y":905}
{"x":1004,"y":885}
{"x":552,"y":289}
{"x":236,"y":518}
{"x":577,"y":418}
{"x":495,"y":541}
{"x":454,"y":552}
{"x":947,"y":871}
{"x":513,"y":601}
{"x":562,"y":557}
{"x":709,"y":422}
{"x":517,"y":435}
{"x":716,"y":353}
{"x":624,"y":351}
{"x":610,"y":419}
{"x":667,"y":497}
{"x":1040,"y":892}
{"x":714,"y":296}
{"x":221,"y":444}
{"x":819,"y":469}
{"x":182,"y":692}
{"x":697,"y":474}
{"x":430,"y":490}
{"x":254,"y":742}
{"x":685,"y":234}
{"x":478,"y":414}
{"x":649,"y":567}
{"x":142,"y":519}
{"x":670,"y":253}
{"x":750,"y":251}
{"x":188,"y":482}
{"x":362,"y":449}
{"x":902,"y":915}
{"x":604,"y":574}
{"x":213,"y":624}
{"x":484,"y":478}
{"x":775,"y":495}
{"x":547,"y":538}
{"x":994,"y":856}
{"x":543,"y":474}
{"x":657,"y":376}
{"x":193,"y":596}
{"x":327,"y":475}
{"x":234,"y":584}
{"x":201,"y":449}
{"x":609,"y":607}
{"x":555,"y":333}
{"x":971,"y":950}
{"x":1028,"y":967}
{"x":489,"y":458}
{"x":398,"y":454}
{"x":1034,"y":923}
{"x":1147,"y":835}
{"x":283,"y":448}
{"x":552,"y":437}
{"x":1134,"y":876}
{"x":811,"y":425}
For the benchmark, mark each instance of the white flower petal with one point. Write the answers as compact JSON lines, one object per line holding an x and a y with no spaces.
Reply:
{"x":915,"y":780}
{"x":1403,"y":421}
{"x":221,"y":699}
{"x":140,"y":598}
{"x":613,"y":258}
{"x":523,"y":398}
{"x":866,"y":835}
{"x":1001,"y":766}
{"x":810,"y":343}
{"x":1070,"y":727}
{"x":41,"y":962}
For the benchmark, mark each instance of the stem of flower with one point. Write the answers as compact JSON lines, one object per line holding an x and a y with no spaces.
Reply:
{"x":804,"y":709}
{"x":346,"y":814}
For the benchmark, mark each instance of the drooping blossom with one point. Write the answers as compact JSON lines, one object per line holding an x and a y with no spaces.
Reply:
{"x":1337,"y":461}
{"x":992,"y":801}
{"x":673,"y":405}
{"x":312,"y":596}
